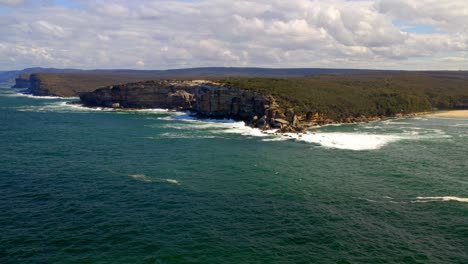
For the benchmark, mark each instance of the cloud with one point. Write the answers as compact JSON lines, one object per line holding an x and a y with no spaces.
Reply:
{"x":164,"y":34}
{"x":449,"y":15}
{"x":11,"y":2}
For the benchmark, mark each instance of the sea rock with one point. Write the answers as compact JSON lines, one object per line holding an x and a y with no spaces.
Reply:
{"x":262,"y":123}
{"x":279,"y":122}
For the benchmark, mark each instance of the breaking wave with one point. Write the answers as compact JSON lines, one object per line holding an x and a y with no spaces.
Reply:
{"x":144,"y":178}
{"x":349,"y":141}
{"x":57,"y":107}
{"x":65,"y":106}
{"x":360,"y":137}
{"x":441,"y":199}
{"x":181,"y":136}
{"x":24,"y":93}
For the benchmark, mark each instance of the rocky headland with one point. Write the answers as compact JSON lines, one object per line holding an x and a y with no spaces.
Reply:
{"x":204,"y":98}
{"x":285,"y":103}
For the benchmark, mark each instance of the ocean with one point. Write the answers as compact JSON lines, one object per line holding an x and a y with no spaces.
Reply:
{"x":83,"y":185}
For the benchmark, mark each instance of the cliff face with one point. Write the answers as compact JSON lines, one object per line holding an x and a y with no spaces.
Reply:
{"x":142,"y":95}
{"x":22,"y":81}
{"x":217,"y":101}
{"x":36,"y":86}
{"x":206,"y":99}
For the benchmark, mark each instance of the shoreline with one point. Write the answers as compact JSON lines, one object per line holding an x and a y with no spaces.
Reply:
{"x":450,"y":114}
{"x":307,"y":127}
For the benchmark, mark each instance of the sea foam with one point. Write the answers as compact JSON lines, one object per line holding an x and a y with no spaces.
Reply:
{"x":27,"y":95}
{"x":441,"y":199}
{"x":144,"y":178}
{"x":65,"y":106}
{"x":341,"y":140}
{"x":363,"y":137}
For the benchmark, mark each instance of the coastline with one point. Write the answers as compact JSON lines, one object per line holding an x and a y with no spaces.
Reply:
{"x":450,"y":114}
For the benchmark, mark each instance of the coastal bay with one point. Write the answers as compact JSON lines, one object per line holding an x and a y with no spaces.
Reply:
{"x":150,"y":185}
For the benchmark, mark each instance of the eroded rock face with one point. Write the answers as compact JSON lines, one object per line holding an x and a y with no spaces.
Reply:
{"x":207,"y":99}
{"x":226,"y":102}
{"x":151,"y":94}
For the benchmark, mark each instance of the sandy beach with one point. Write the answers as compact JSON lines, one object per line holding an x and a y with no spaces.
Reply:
{"x":452,"y":113}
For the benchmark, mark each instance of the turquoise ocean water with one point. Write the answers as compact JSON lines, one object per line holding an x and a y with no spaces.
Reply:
{"x":84,"y":185}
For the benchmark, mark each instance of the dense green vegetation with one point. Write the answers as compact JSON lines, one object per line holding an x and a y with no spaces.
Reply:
{"x":372,"y":94}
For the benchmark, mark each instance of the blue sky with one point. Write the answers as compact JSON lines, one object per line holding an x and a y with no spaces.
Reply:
{"x":414,"y":28}
{"x":160,"y":34}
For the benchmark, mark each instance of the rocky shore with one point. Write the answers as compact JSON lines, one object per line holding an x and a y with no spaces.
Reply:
{"x":283,"y":104}
{"x":204,"y":98}
{"x":212,"y":100}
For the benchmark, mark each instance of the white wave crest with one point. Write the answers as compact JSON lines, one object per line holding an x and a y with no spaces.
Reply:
{"x":149,"y":110}
{"x":172,"y":181}
{"x":357,"y":140}
{"x":60,"y":107}
{"x":27,"y":95}
{"x":117,"y":110}
{"x":181,"y":136}
{"x":65,"y":107}
{"x":140,"y":177}
{"x":361,"y":140}
{"x":144,"y":178}
{"x":214,"y":125}
{"x":441,"y":199}
{"x":349,"y":141}
{"x":392,"y":122}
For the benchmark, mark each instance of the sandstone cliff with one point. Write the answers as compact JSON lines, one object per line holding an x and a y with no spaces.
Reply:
{"x":205,"y":98}
{"x":36,"y":86}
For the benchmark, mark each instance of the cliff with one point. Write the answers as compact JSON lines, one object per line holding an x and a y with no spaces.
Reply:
{"x":293,"y":103}
{"x":36,"y":86}
{"x":205,"y":98}
{"x":22,"y":81}
{"x":287,"y":102}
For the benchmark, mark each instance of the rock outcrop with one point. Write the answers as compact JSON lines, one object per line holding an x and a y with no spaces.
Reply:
{"x":204,"y":98}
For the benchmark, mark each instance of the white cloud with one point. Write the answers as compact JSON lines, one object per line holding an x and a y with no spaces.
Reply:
{"x":450,"y":15}
{"x":11,"y":2}
{"x":271,"y":33}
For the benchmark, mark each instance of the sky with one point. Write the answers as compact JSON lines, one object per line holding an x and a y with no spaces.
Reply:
{"x":168,"y":34}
